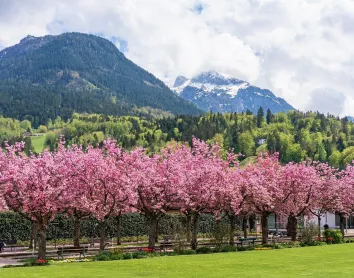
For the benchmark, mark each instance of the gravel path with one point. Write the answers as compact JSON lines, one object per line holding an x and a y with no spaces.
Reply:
{"x":8,"y":262}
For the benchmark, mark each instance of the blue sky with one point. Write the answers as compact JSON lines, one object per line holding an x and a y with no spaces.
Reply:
{"x":300,"y":49}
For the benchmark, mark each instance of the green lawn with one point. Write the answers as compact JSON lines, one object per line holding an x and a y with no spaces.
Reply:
{"x":38,"y":143}
{"x":325,"y":261}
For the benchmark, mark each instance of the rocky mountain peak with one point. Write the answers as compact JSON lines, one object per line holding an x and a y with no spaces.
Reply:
{"x":218,"y":92}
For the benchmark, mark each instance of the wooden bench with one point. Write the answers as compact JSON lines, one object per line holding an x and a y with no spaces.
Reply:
{"x":11,"y":243}
{"x":248,"y":240}
{"x":72,"y":250}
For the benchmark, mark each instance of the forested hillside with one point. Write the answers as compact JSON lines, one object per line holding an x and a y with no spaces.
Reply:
{"x":295,"y":135}
{"x":42,"y":78}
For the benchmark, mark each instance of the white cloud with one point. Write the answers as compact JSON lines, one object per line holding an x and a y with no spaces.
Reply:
{"x":292,"y":47}
{"x":327,"y":100}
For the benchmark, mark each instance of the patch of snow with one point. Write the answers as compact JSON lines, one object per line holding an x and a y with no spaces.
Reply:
{"x":179,"y":89}
{"x":231,"y":90}
{"x":276,"y":101}
{"x":150,"y":84}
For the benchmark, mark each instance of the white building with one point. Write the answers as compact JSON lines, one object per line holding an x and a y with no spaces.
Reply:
{"x":261,"y":141}
{"x":332,"y":220}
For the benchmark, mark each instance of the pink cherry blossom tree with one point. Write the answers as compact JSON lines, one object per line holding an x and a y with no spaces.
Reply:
{"x":8,"y":167}
{"x":242,"y":207}
{"x":205,"y":179}
{"x":299,"y":186}
{"x":345,"y":204}
{"x":80,"y":206}
{"x":260,"y":188}
{"x":157,"y":180}
{"x":329,"y":194}
{"x":110,"y":189}
{"x":229,"y":198}
{"x":38,"y":190}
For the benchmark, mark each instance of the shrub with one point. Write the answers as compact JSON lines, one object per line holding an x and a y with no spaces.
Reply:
{"x":36,"y":262}
{"x":333,"y":236}
{"x":220,"y":233}
{"x":268,"y":245}
{"x":204,"y":250}
{"x":188,"y":252}
{"x":278,"y":246}
{"x":116,"y":257}
{"x":309,"y":235}
{"x":126,"y":256}
{"x":116,"y":251}
{"x":292,"y":244}
{"x":250,"y":248}
{"x":246,"y":248}
{"x":103,"y":256}
{"x":139,"y":255}
{"x":228,"y":248}
{"x":312,"y":243}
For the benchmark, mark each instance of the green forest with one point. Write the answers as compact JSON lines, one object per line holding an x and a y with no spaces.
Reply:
{"x":295,"y":135}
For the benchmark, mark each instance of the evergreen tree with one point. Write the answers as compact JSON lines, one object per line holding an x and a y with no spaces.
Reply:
{"x":260,"y":116}
{"x":269,"y":116}
{"x":249,"y":112}
{"x":340,"y":144}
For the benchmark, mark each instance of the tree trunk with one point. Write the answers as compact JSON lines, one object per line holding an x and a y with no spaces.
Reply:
{"x":77,"y":231}
{"x":102,"y":235}
{"x":288,"y":229}
{"x":245,"y":227}
{"x":264,"y":223}
{"x":194,"y":242}
{"x":232,"y":231}
{"x":152,"y":220}
{"x":341,"y":223}
{"x":251,"y":223}
{"x":34,"y":232}
{"x":319,"y":225}
{"x":157,"y":232}
{"x":293,"y":227}
{"x":188,"y":227}
{"x":118,"y":227}
{"x":42,"y":248}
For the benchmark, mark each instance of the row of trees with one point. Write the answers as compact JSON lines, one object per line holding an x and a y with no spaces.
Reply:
{"x":109,"y":182}
{"x":296,"y":136}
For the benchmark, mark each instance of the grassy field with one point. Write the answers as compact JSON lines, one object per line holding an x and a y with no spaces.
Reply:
{"x":324,"y":261}
{"x":38,"y":143}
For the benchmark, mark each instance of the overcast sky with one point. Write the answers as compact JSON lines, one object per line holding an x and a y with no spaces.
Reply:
{"x":301,"y":50}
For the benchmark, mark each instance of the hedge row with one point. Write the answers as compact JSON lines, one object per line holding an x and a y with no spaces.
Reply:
{"x":14,"y":226}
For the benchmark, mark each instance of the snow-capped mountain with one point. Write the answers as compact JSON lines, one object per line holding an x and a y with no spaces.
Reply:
{"x":222,"y":93}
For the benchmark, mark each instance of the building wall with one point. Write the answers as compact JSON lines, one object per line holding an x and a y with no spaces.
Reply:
{"x":327,"y":218}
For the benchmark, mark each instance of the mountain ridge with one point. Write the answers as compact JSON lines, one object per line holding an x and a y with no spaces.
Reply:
{"x":78,"y":72}
{"x":222,"y":93}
